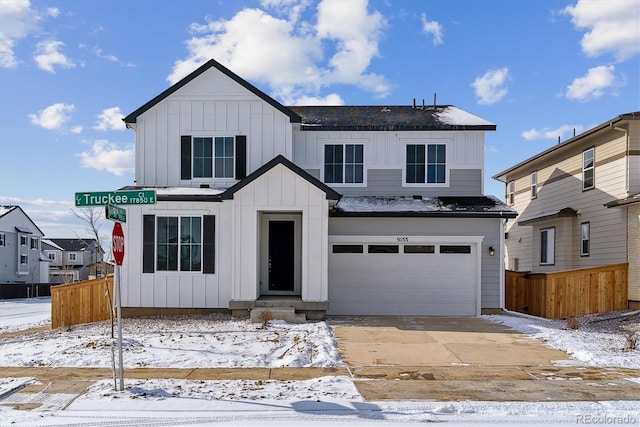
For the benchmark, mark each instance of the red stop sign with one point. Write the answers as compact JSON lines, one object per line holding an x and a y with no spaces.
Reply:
{"x":117,"y":243}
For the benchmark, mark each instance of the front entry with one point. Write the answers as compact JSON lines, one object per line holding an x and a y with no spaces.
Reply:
{"x":281,"y":247}
{"x":280,"y":253}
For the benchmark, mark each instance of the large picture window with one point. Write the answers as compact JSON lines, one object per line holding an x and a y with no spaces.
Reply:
{"x":547,"y":246}
{"x":178,"y":243}
{"x":213,"y":157}
{"x":426,"y":163}
{"x":344,"y":163}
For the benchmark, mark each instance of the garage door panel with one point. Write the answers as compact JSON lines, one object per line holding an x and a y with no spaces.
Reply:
{"x":425,"y":284}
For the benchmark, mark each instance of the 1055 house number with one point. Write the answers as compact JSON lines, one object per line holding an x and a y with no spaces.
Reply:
{"x":402,"y":239}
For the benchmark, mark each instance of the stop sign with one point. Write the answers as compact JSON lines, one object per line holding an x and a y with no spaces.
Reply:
{"x":117,"y":243}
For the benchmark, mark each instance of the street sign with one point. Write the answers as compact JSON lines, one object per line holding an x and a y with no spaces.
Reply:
{"x":117,"y":243}
{"x":125,"y":197}
{"x":115,"y":213}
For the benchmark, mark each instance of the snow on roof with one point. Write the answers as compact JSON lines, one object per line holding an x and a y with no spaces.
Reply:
{"x":455,"y":116}
{"x":170,"y":191}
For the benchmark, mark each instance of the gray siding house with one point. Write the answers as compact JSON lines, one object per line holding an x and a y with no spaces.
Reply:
{"x":71,"y":260}
{"x":20,"y":255}
{"x":344,"y":210}
{"x":578,"y":203}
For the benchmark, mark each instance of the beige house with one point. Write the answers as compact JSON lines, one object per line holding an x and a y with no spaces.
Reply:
{"x":578,"y":204}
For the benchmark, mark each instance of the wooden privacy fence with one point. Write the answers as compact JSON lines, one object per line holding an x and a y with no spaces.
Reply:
{"x":568,"y":293}
{"x":81,"y":302}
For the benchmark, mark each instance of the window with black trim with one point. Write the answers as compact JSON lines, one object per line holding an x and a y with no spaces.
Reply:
{"x":426,"y":164}
{"x":455,"y":249}
{"x":213,"y":157}
{"x":344,"y":163}
{"x":585,"y":238}
{"x":419,"y":249}
{"x":347,"y":249}
{"x":178,"y":243}
{"x":588,"y":169}
{"x":383,"y":249}
{"x":534,"y":184}
{"x":547,"y":246}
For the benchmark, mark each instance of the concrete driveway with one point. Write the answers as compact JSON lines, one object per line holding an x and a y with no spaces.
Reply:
{"x":434,"y":358}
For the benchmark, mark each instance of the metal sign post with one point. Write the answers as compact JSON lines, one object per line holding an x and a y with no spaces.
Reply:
{"x":117,"y":247}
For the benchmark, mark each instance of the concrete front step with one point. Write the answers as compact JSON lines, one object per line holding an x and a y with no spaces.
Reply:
{"x":288,"y":314}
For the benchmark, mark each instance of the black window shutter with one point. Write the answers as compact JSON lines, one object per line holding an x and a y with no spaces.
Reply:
{"x":209,"y":245}
{"x":148,"y":243}
{"x":241,"y":156}
{"x":185,"y":157}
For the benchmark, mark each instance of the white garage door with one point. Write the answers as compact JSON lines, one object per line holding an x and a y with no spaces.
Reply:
{"x":403,"y":278}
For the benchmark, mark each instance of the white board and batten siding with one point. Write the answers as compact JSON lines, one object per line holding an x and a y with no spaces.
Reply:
{"x":280,"y":190}
{"x":210,"y":105}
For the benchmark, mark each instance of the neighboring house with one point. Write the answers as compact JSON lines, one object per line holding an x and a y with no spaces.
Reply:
{"x":20,"y":256}
{"x":578,"y":203}
{"x":72,"y":260}
{"x":361,"y":210}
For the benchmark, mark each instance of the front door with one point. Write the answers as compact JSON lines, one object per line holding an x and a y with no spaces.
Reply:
{"x":280,"y":253}
{"x":281,"y":256}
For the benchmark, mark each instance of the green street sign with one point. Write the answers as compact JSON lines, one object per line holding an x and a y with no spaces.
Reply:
{"x":115,"y":213}
{"x":128,"y":197}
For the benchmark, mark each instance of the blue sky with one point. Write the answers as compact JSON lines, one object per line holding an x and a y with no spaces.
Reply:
{"x":69,"y":70}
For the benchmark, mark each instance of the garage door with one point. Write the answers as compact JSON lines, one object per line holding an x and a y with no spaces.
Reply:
{"x":402,"y":278}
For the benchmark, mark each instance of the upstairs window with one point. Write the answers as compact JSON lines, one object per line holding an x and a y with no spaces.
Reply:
{"x":344,"y":163}
{"x":34,"y":243}
{"x":23,"y":240}
{"x":534,"y":184}
{"x":588,"y":169}
{"x":511,"y":192}
{"x":52,"y":256}
{"x":72,"y":256}
{"x":426,"y":164}
{"x":213,"y":157}
{"x":2,"y":239}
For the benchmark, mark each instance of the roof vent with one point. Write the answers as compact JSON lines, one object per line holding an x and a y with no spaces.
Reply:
{"x":417,"y":197}
{"x":204,"y":185}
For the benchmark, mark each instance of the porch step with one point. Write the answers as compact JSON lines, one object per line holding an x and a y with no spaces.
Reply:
{"x":288,"y":314}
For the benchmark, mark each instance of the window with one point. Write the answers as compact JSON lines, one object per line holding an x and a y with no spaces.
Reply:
{"x":23,"y":240}
{"x":34,"y":243}
{"x":511,"y":192}
{"x":178,"y":244}
{"x":213,"y":157}
{"x":419,"y":249}
{"x":588,"y":169}
{"x":347,"y":249}
{"x":52,"y":256}
{"x":2,"y":239}
{"x":344,"y":163}
{"x":383,"y":249}
{"x":455,"y":249}
{"x":534,"y":184}
{"x":585,"y":232}
{"x":72,"y":256}
{"x":426,"y":164}
{"x":24,"y":259}
{"x":547,"y":246}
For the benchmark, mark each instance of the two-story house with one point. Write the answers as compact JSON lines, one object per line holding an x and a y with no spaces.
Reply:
{"x":362,"y":210}
{"x":72,"y":260}
{"x":578,"y":203}
{"x":20,"y":254}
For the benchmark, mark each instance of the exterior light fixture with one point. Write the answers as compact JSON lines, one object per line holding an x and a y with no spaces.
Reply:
{"x":492,"y":251}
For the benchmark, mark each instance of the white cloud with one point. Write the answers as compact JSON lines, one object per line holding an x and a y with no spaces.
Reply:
{"x":18,"y":21}
{"x":76,"y":130}
{"x":54,"y":116}
{"x":432,"y":27}
{"x":110,"y":119}
{"x":53,"y":12}
{"x":332,"y":99}
{"x":546,"y":133}
{"x":48,"y":56}
{"x":490,"y":87}
{"x":593,"y":84}
{"x":612,"y":26}
{"x":108,"y":156}
{"x":288,"y":53}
